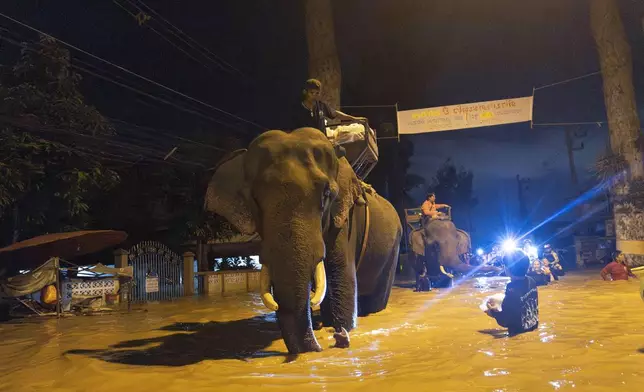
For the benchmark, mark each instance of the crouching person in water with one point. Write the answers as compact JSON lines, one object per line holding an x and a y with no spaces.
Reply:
{"x":520,"y":308}
{"x":422,"y":280}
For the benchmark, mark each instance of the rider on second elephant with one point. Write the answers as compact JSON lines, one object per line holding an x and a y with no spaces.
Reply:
{"x":431,"y":209}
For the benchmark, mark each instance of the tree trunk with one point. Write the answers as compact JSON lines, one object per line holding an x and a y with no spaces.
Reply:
{"x":16,"y":224}
{"x":624,"y":126}
{"x":324,"y":63}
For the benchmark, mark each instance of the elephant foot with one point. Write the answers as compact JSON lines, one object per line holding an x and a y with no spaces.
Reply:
{"x":341,"y":338}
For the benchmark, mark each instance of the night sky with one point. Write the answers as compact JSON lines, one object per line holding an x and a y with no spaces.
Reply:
{"x":414,"y":53}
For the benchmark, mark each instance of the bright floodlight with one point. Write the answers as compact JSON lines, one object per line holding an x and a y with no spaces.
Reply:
{"x":509,"y":245}
{"x":532,"y":252}
{"x":479,"y":252}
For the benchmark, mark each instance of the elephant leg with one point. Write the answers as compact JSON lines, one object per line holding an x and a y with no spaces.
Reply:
{"x":339,"y":309}
{"x":378,"y":300}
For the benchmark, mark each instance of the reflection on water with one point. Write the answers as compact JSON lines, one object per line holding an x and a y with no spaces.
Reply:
{"x":590,"y":338}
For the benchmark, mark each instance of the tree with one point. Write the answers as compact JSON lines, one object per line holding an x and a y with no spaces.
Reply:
{"x":454,"y":186}
{"x":324,"y":63}
{"x":47,"y":183}
{"x":622,"y":166}
{"x":236,"y":263}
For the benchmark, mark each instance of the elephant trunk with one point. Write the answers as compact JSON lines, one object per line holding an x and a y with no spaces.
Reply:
{"x":294,"y":315}
{"x":293,"y":268}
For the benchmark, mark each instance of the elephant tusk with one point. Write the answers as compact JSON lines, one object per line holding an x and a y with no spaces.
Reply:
{"x":320,"y":285}
{"x":265,"y":289}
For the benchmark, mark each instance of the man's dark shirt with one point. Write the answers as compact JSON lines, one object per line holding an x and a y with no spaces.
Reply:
{"x":313,"y":118}
{"x":520,"y":307}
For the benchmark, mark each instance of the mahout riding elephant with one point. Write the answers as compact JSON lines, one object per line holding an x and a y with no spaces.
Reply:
{"x":304,"y":200}
{"x":439,"y":241}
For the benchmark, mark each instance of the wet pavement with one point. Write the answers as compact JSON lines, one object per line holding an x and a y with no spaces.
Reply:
{"x":590,"y":338}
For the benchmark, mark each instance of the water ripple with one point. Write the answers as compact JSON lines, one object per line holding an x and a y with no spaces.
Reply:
{"x":439,"y":339}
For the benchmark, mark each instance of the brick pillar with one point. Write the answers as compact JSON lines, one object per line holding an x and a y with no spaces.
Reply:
{"x":121,"y":261}
{"x":188,"y":273}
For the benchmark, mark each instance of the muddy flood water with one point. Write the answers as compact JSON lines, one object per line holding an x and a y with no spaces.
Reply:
{"x":590,"y":338}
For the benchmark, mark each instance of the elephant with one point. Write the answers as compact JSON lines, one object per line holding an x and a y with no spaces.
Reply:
{"x":300,"y":194}
{"x":440,"y":243}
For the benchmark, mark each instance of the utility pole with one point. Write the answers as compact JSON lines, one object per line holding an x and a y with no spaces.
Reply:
{"x":571,"y":148}
{"x":524,"y":185}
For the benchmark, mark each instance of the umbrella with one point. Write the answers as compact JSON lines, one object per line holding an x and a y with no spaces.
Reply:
{"x":63,"y":245}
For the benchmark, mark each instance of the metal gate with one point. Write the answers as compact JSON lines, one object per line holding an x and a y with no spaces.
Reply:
{"x":158,"y":272}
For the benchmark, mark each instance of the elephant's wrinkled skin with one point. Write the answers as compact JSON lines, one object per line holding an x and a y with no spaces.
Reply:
{"x":294,"y":191}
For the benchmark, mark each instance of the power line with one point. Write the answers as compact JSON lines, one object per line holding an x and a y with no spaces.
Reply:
{"x":165,"y":99}
{"x":157,"y":131}
{"x":187,"y":110}
{"x":133,"y":73}
{"x":568,"y":80}
{"x":219,"y":59}
{"x":138,"y":150}
{"x":133,"y":89}
{"x":159,"y":34}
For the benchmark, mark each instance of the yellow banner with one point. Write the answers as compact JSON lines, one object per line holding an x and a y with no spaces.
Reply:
{"x":469,"y":115}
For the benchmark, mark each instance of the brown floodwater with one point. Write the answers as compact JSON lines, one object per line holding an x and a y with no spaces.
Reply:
{"x":590,"y":338}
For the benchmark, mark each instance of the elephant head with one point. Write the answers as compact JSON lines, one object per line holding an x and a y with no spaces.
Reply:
{"x":442,"y":236}
{"x":289,"y":188}
{"x":448,"y":243}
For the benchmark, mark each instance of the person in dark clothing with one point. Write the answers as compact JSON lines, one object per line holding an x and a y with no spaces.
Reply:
{"x":553,"y":260}
{"x":422,"y":280}
{"x":313,"y":113}
{"x":539,"y":272}
{"x":520,"y":308}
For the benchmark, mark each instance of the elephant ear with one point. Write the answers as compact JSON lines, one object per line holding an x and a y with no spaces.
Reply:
{"x":349,"y":192}
{"x":227,"y":195}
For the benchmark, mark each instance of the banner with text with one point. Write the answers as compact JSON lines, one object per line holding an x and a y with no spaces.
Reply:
{"x":469,"y":115}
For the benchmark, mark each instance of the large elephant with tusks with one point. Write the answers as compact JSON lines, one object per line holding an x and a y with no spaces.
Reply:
{"x":326,"y":238}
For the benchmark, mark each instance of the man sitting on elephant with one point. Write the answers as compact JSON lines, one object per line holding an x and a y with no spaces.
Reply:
{"x":313,"y":112}
{"x":430,"y":208}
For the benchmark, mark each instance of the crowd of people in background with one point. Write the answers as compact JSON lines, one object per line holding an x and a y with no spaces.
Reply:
{"x":547,"y":268}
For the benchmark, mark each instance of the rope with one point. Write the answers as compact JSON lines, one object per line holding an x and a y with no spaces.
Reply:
{"x":368,"y":106}
{"x":598,"y":123}
{"x":568,"y":80}
{"x":365,"y":238}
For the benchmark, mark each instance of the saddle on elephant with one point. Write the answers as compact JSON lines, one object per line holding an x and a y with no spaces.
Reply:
{"x":358,"y":141}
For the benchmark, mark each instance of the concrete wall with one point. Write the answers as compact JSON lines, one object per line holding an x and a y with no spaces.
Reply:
{"x":227,"y":282}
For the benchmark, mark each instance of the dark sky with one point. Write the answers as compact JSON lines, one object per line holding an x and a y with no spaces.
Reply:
{"x":415,"y":53}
